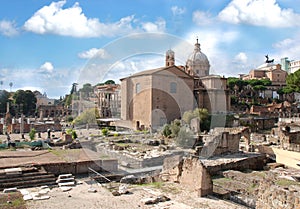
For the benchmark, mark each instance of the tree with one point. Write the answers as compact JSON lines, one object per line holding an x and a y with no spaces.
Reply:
{"x":232,"y":82}
{"x":4,"y":98}
{"x":106,"y":82}
{"x":25,"y":101}
{"x":89,"y":116}
{"x":109,"y":82}
{"x":200,"y":113}
{"x":292,"y":82}
{"x":10,"y":85}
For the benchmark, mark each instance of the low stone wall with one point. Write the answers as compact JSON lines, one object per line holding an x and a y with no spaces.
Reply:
{"x":256,"y":162}
{"x":81,"y":167}
{"x":134,"y":162}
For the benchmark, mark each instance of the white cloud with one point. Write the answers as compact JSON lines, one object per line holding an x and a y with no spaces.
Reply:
{"x":287,"y":48}
{"x":202,"y":18}
{"x":157,"y":26}
{"x":241,"y":58}
{"x":260,"y":13}
{"x":215,"y":43}
{"x":8,"y":28}
{"x":54,"y":19}
{"x":72,"y":21}
{"x":46,"y":67}
{"x":284,"y":43}
{"x":93,"y":53}
{"x":177,"y":10}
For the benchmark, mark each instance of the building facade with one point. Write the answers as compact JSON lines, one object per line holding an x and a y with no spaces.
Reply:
{"x":155,"y":97}
{"x":294,"y":66}
{"x":270,"y":71}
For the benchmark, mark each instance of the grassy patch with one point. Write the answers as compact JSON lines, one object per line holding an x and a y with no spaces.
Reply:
{"x":285,"y":182}
{"x":157,"y":185}
{"x":252,"y":187}
{"x":221,"y":180}
{"x":15,"y":201}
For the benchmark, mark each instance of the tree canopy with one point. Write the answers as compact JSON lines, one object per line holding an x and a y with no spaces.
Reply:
{"x":87,"y":117}
{"x":292,"y":83}
{"x":257,"y":84}
{"x":25,"y":101}
{"x":4,"y":98}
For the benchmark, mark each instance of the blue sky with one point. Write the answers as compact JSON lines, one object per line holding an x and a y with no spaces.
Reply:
{"x":48,"y":45}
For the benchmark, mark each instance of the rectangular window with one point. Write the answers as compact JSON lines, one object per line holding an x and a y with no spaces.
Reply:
{"x":137,"y":88}
{"x":173,"y":87}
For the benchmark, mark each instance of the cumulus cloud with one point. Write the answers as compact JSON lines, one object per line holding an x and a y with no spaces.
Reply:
{"x":202,"y":18}
{"x":8,"y":28}
{"x":288,"y":47}
{"x":241,"y":58}
{"x":94,"y":53}
{"x":72,"y":21}
{"x":55,"y":19}
{"x":177,"y":11}
{"x":46,"y":67}
{"x":260,"y":13}
{"x":157,"y":26}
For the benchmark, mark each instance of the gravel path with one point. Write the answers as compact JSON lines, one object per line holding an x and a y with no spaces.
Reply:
{"x":80,"y":198}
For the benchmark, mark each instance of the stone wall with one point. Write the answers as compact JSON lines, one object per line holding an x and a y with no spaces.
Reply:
{"x":256,"y":162}
{"x":189,"y":172}
{"x":81,"y":167}
{"x":273,"y":196}
{"x":223,"y":140}
{"x":127,"y":160}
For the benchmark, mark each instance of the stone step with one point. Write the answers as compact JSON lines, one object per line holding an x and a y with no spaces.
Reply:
{"x":26,"y":178}
{"x":37,"y":173}
{"x":29,"y":183}
{"x":65,"y":180}
{"x":23,"y":169}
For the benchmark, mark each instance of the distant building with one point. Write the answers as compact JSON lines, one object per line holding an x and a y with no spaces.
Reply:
{"x":270,"y":71}
{"x":155,"y":97}
{"x":42,"y":99}
{"x":285,"y":64}
{"x":294,"y":66}
{"x":108,"y":100}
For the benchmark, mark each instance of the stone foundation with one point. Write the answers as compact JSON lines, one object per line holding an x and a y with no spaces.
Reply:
{"x":191,"y":173}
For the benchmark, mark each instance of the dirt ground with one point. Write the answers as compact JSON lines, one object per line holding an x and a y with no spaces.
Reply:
{"x":79,"y":197}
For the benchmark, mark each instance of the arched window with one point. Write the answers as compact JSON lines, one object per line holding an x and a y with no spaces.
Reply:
{"x":173,"y":87}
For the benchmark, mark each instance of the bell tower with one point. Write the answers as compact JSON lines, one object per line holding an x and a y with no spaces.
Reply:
{"x":170,"y":58}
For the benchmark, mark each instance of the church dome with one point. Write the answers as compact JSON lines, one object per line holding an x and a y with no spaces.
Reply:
{"x":197,"y":63}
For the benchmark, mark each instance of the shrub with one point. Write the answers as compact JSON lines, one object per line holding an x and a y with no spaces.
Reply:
{"x":105,"y":131}
{"x":32,"y":134}
{"x":166,"y":130}
{"x":185,"y":138}
{"x":175,"y":127}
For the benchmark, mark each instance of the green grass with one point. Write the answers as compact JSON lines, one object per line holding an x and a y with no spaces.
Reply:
{"x":157,"y":185}
{"x":221,"y":180}
{"x":16,"y":201}
{"x":285,"y":182}
{"x":252,"y":187}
